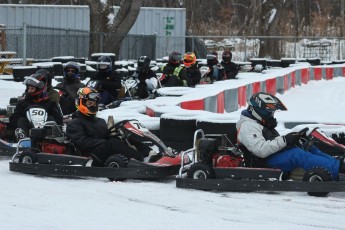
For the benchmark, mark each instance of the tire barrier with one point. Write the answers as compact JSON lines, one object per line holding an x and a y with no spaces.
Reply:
{"x":177,"y":129}
{"x":219,"y":124}
{"x":159,"y":109}
{"x":229,"y":100}
{"x":19,"y":72}
{"x":175,"y":91}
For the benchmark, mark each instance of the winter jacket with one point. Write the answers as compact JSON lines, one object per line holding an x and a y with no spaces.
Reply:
{"x":230,"y":70}
{"x":148,"y":81}
{"x":52,"y":94}
{"x":193,"y":75}
{"x":88,"y":133}
{"x":174,"y":75}
{"x":259,"y":140}
{"x":50,"y":106}
{"x":110,"y":82}
{"x":68,"y":103}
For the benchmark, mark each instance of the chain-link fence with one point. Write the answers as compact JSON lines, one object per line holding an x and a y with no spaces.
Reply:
{"x":46,"y":43}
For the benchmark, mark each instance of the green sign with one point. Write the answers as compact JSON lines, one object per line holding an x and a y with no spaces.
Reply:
{"x":169,"y":25}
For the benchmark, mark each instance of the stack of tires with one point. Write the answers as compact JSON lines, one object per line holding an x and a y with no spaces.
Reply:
{"x":177,"y":129}
{"x":218,"y":124}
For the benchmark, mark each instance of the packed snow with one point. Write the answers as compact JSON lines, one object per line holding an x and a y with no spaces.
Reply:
{"x":36,"y":202}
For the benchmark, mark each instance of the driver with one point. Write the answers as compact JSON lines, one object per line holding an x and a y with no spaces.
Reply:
{"x":35,"y":95}
{"x":256,"y":132}
{"x":71,"y":83}
{"x":90,"y":133}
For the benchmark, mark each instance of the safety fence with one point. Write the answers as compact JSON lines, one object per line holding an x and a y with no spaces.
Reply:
{"x":44,"y":43}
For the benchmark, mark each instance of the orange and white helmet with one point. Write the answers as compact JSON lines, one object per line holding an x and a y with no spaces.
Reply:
{"x":189,"y":59}
{"x":85,"y":94}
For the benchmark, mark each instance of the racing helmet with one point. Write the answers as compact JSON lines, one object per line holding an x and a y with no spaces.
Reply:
{"x":226,"y":56}
{"x":189,"y":59}
{"x":38,"y":81}
{"x":262,"y":107}
{"x":144,"y":63}
{"x":83,"y":95}
{"x":104,"y":64}
{"x":175,"y":58}
{"x":212,"y":59}
{"x":47,"y":77}
{"x":71,"y":71}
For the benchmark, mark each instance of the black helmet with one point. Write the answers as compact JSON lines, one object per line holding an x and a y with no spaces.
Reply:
{"x":212,"y":59}
{"x":46,"y":75}
{"x":39,"y":82}
{"x":144,"y":63}
{"x":262,"y":107}
{"x":175,"y":58}
{"x":71,"y":71}
{"x":104,"y":64}
{"x":227,"y":56}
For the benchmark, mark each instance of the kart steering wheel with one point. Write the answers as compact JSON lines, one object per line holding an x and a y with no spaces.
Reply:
{"x":113,"y":129}
{"x":306,"y":141}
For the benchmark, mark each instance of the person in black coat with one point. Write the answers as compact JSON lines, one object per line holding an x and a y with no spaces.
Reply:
{"x":90,"y":133}
{"x":109,"y":83}
{"x":71,"y":84}
{"x":35,"y":95}
{"x":230,"y":68}
{"x":193,"y":72}
{"x":173,"y":73}
{"x":148,"y":80}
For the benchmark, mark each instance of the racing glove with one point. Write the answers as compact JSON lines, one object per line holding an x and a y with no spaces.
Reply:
{"x":292,"y":138}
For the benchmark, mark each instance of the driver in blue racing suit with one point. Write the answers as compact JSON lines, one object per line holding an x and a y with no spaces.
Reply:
{"x":256,"y":132}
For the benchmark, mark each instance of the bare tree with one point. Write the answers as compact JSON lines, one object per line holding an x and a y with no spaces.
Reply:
{"x":108,"y":28}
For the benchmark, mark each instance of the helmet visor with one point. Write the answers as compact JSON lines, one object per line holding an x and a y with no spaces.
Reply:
{"x":34,"y":82}
{"x":176,"y":57}
{"x":93,"y":96}
{"x":103,"y":65}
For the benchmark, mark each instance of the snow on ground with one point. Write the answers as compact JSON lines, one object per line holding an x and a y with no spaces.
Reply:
{"x":36,"y":202}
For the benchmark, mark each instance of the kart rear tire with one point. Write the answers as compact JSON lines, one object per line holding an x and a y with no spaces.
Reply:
{"x":317,"y":174}
{"x":200,"y":171}
{"x":28,"y":157}
{"x":116,"y":161}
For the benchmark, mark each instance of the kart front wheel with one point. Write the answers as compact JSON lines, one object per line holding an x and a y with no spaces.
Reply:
{"x":28,"y":157}
{"x":200,"y":171}
{"x":116,"y":161}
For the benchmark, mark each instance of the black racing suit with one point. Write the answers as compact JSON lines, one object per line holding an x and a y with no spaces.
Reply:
{"x":68,"y":103}
{"x":193,"y":75}
{"x":19,"y":120}
{"x":230,"y":70}
{"x":90,"y":135}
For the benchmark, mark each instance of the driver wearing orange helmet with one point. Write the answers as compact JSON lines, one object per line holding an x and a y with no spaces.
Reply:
{"x":90,"y":133}
{"x":193,"y":72}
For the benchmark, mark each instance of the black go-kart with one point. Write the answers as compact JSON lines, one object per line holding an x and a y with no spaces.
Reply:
{"x":52,"y":154}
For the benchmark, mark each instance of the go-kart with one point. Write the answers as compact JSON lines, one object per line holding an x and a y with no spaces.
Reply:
{"x":53,"y":154}
{"x":217,"y":164}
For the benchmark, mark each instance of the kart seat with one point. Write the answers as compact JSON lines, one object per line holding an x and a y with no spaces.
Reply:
{"x":251,"y":160}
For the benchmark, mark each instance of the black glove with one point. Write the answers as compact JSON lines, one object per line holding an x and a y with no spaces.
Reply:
{"x":292,"y":138}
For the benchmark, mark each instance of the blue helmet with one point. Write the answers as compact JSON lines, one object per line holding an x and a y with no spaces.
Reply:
{"x":262,"y":107}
